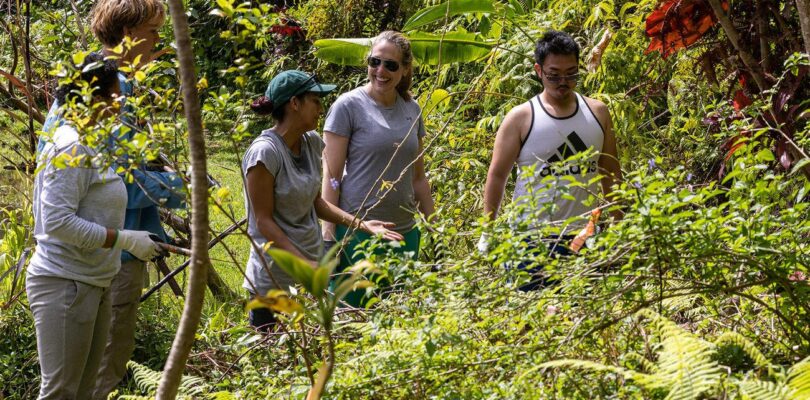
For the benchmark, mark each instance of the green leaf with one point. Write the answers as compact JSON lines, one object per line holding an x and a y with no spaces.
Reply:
{"x":78,"y":58}
{"x":226,"y":6}
{"x":765,"y":155}
{"x":452,"y":47}
{"x":455,"y":47}
{"x":320,"y":279}
{"x":799,"y":165}
{"x":343,"y":51}
{"x":447,"y":10}
{"x":439,"y":98}
{"x":293,"y":266}
{"x":517,"y":7}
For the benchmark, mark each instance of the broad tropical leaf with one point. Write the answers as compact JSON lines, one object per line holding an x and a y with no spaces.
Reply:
{"x":455,"y":47}
{"x":447,"y":9}
{"x":343,"y":51}
{"x":452,"y":47}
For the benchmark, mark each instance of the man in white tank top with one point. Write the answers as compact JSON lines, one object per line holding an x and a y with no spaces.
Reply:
{"x":541,"y":133}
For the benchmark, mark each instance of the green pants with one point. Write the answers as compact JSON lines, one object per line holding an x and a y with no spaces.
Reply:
{"x":353,"y":252}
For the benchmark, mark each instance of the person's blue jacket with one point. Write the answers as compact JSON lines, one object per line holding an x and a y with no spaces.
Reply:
{"x":148,"y":189}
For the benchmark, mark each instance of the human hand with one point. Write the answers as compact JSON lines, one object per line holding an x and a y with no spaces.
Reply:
{"x":381,"y":228}
{"x":138,"y":243}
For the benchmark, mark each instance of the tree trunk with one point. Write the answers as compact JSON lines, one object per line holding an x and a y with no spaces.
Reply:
{"x":803,"y":7}
{"x":183,"y":340}
{"x":734,"y":37}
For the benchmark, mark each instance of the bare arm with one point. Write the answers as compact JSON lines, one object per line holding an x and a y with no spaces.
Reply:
{"x":260,"y":187}
{"x":334,"y":161}
{"x":421,"y":187}
{"x":504,"y":155}
{"x":609,"y":159}
{"x":333,"y":214}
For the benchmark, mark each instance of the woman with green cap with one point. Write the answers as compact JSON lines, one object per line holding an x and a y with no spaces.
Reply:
{"x":282,"y":171}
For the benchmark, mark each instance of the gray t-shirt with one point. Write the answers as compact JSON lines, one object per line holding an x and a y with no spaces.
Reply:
{"x":378,"y":135}
{"x":73,"y":207}
{"x":297,"y":184}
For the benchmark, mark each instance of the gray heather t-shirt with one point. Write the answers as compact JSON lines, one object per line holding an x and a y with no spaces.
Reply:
{"x":378,"y":135}
{"x":73,"y":207}
{"x":297,"y":184}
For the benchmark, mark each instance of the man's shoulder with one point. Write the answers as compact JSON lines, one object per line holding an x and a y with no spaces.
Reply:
{"x":520,"y":112}
{"x":595,"y":105}
{"x":519,"y":117}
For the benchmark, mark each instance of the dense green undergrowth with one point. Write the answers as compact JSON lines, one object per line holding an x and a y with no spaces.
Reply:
{"x":700,"y":291}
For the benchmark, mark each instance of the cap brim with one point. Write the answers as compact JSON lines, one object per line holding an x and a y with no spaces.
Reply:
{"x":322,"y":89}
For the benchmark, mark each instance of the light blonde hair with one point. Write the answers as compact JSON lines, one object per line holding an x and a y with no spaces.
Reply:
{"x":404,"y":45}
{"x":110,"y":17}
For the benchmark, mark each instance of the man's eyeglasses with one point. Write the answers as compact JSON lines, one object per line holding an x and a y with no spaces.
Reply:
{"x":390,"y":65}
{"x":557,"y":79}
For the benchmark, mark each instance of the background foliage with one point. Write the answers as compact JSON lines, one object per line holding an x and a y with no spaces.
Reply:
{"x":700,"y":291}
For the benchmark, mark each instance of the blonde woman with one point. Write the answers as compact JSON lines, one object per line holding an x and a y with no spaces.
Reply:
{"x":373,"y":156}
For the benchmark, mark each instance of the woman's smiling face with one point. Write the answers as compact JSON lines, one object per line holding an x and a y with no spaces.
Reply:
{"x":384,"y":81}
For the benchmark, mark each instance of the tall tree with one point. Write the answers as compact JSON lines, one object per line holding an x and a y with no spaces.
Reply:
{"x":183,"y":340}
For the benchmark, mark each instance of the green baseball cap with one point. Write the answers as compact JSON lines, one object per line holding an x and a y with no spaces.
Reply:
{"x":291,"y":83}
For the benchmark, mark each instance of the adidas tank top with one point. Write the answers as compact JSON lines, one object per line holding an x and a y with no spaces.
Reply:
{"x":545,"y":171}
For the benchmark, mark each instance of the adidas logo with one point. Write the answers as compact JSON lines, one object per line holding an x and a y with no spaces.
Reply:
{"x":571,"y":146}
{"x":565,"y":151}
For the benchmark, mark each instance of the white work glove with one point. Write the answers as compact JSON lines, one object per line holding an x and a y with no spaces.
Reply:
{"x":483,"y":244}
{"x":138,"y":244}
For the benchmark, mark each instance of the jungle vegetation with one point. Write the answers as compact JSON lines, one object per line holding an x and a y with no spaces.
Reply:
{"x":701,"y":290}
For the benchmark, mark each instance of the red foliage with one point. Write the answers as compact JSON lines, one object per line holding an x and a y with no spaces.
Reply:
{"x":677,"y":24}
{"x":285,"y":30}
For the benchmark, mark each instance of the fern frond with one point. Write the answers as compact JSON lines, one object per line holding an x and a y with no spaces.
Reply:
{"x":798,"y":379}
{"x":646,"y":365}
{"x":750,"y":349}
{"x":685,"y":365}
{"x":763,"y":390}
{"x":192,"y":385}
{"x":147,"y":381}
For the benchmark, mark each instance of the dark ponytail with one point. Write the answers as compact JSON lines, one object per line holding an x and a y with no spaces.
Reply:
{"x":262,"y":106}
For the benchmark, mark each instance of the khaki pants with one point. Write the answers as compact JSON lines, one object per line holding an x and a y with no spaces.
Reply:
{"x":71,"y":319}
{"x":125,"y":295}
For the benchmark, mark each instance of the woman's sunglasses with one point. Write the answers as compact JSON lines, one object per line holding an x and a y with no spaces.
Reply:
{"x":390,"y":65}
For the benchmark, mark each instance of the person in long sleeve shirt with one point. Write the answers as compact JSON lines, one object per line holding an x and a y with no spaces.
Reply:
{"x":111,"y":22}
{"x":78,"y":219}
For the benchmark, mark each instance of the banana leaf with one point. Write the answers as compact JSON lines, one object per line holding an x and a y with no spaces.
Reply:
{"x":447,"y":9}
{"x":343,"y":51}
{"x":455,"y":47}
